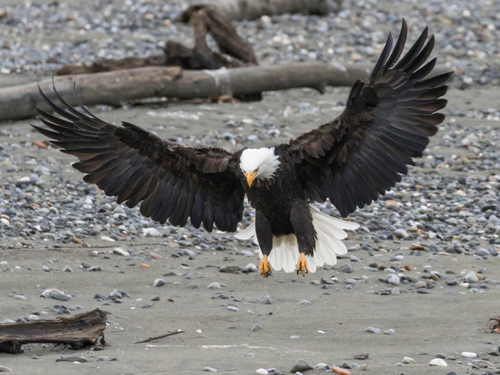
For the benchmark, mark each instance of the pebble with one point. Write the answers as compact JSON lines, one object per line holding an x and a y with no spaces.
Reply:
{"x":438,"y":362}
{"x":340,"y":370}
{"x":393,"y":279}
{"x":304,"y":302}
{"x":301,"y":366}
{"x":159,"y":282}
{"x":151,"y":232}
{"x":469,"y":355}
{"x":347,"y":268}
{"x":209,"y":369}
{"x":214,"y":285}
{"x":256,"y":327}
{"x":262,"y":371}
{"x":372,"y":330}
{"x":265,"y":299}
{"x":471,"y":277}
{"x":408,"y":361}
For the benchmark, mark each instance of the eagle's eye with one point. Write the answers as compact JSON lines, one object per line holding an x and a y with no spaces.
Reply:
{"x":256,"y":170}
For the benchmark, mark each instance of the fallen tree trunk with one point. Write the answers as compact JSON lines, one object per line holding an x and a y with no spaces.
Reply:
{"x":109,"y":65}
{"x":204,"y":20}
{"x":78,"y":331}
{"x":115,"y":88}
{"x":238,"y":10}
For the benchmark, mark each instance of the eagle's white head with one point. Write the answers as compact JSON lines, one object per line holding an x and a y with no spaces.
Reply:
{"x":259,"y":163}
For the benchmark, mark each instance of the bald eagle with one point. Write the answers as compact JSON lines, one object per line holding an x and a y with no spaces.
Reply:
{"x":350,"y":161}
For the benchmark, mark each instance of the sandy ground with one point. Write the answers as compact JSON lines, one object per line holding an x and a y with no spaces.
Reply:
{"x":214,"y":336}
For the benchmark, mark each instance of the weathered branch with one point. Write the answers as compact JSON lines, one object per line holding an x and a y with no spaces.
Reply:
{"x":114,"y":88}
{"x":205,"y":20}
{"x":109,"y":65}
{"x":159,"y":337}
{"x":78,"y":331}
{"x":238,"y":10}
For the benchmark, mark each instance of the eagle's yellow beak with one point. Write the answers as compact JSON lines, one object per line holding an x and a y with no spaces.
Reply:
{"x":250,"y":177}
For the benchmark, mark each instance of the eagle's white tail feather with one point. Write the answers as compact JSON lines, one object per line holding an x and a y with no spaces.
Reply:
{"x":285,"y":253}
{"x":246,"y":233}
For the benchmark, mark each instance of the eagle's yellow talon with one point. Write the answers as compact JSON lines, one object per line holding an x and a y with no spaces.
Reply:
{"x":302,"y":265}
{"x":265,"y":268}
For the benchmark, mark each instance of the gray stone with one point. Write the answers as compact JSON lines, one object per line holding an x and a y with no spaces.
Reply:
{"x":301,"y":366}
{"x":159,"y":282}
{"x":256,"y":327}
{"x":408,"y":361}
{"x":265,"y":299}
{"x":304,"y":302}
{"x":214,"y":285}
{"x":400,"y":233}
{"x":393,"y":279}
{"x":347,"y":268}
{"x":471,"y":277}
{"x":372,"y":330}
{"x":209,"y":369}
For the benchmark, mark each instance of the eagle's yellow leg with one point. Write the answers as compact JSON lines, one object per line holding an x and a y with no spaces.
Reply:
{"x":302,"y":265}
{"x":265,"y":268}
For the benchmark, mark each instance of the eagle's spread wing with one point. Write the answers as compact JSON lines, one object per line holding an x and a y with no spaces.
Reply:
{"x":386,"y":122}
{"x":173,"y":181}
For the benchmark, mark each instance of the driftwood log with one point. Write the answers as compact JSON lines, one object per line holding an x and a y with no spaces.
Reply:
{"x":116,"y":88}
{"x":238,"y":10}
{"x":78,"y":331}
{"x":235,"y":51}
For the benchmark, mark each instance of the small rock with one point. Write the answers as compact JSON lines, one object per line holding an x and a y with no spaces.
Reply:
{"x":372,"y":330}
{"x":347,"y":268}
{"x":154,"y":298}
{"x":214,"y":285}
{"x":393,"y":279}
{"x":262,"y":371}
{"x":209,"y":369}
{"x":159,"y":282}
{"x":256,"y":327}
{"x":408,"y":361}
{"x":400,"y":233}
{"x":301,"y":366}
{"x":304,"y":302}
{"x":233,"y":308}
{"x":469,"y":355}
{"x":120,"y":251}
{"x":95,"y":269}
{"x":471,"y":277}
{"x":265,"y":299}
{"x":5,"y":369}
{"x":340,"y":370}
{"x":151,"y":232}
{"x":438,"y":362}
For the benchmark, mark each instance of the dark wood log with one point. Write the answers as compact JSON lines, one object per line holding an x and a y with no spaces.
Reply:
{"x":109,"y":65}
{"x":114,"y":88}
{"x":110,"y":88}
{"x":205,"y":20}
{"x":201,"y":56}
{"x":238,"y":10}
{"x":79,"y":331}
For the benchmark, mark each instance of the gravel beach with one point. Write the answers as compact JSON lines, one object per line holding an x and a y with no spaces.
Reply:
{"x":422,"y":275}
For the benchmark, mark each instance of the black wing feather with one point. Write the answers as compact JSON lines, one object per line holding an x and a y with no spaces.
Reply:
{"x":173,"y":181}
{"x":387,"y":122}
